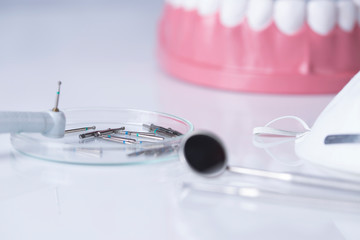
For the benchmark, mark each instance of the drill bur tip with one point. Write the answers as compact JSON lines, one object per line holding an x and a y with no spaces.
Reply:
{"x":55,"y":109}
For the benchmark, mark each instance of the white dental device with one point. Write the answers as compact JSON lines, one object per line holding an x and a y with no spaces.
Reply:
{"x":50,"y":123}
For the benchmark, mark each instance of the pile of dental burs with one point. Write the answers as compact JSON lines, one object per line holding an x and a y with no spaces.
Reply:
{"x":154,"y":134}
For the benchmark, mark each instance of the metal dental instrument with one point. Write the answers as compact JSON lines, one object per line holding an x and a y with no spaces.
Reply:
{"x":161,"y":130}
{"x":157,"y":138}
{"x":251,"y":192}
{"x":205,"y":154}
{"x":79,"y":129}
{"x":119,"y":139}
{"x":49,"y":123}
{"x":101,"y":132}
{"x":143,"y":135}
{"x":342,"y":138}
{"x":134,"y":133}
{"x":154,"y":151}
{"x":55,"y":109}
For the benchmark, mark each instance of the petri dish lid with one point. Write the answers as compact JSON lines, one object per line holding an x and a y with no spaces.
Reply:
{"x":96,"y":151}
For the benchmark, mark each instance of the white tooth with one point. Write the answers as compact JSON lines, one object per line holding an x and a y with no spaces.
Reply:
{"x":232,"y":12}
{"x":322,"y":16}
{"x":190,"y":5}
{"x":207,"y":7}
{"x":259,"y":14}
{"x":347,"y":15}
{"x":289,"y":15}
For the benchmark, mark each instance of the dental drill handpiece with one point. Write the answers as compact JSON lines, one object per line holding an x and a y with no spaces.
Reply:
{"x":50,"y":123}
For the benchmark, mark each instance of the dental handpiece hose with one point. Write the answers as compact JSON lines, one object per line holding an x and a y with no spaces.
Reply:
{"x":14,"y":122}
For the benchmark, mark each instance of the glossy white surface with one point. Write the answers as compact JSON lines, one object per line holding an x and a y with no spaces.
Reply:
{"x":105,"y":55}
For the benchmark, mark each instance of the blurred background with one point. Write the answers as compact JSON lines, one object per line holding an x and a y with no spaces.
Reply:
{"x":101,"y":44}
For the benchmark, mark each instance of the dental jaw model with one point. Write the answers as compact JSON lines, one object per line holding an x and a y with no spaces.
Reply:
{"x":49,"y":123}
{"x":274,"y":46}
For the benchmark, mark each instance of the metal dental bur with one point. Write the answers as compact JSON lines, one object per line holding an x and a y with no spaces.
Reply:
{"x":79,"y":129}
{"x":161,"y":130}
{"x":108,"y":131}
{"x":119,"y":139}
{"x":101,"y":132}
{"x":56,"y":109}
{"x":158,"y":138}
{"x":143,"y":135}
{"x":133,"y":132}
{"x":154,"y":151}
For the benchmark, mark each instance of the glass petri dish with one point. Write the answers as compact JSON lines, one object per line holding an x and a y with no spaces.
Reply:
{"x":96,"y":151}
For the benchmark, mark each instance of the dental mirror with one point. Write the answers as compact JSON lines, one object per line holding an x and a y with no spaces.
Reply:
{"x":206,"y":155}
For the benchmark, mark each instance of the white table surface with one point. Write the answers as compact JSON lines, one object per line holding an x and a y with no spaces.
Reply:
{"x":104,"y":52}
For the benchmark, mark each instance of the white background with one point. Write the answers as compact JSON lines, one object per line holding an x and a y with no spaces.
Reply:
{"x":104,"y":52}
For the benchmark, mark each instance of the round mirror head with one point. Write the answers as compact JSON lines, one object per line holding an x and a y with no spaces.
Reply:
{"x":204,"y":153}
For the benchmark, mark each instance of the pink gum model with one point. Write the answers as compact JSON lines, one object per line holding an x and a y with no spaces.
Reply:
{"x":201,"y":50}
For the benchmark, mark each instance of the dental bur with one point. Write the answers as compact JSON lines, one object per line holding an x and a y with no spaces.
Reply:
{"x":101,"y":132}
{"x":49,"y":123}
{"x":162,"y":130}
{"x":56,"y":109}
{"x":119,"y":139}
{"x":79,"y":129}
{"x":143,"y":135}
